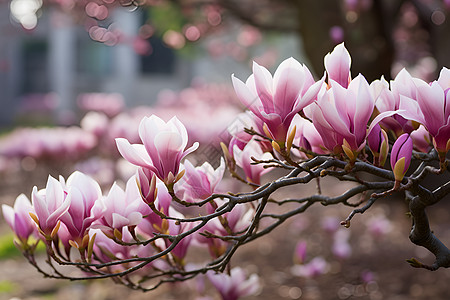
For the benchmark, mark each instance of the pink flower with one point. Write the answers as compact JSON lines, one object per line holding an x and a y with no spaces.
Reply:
{"x":401,"y":156}
{"x":18,"y":218}
{"x":337,"y":64}
{"x":146,"y":181}
{"x":153,"y":222}
{"x":432,"y":109}
{"x":163,"y":147}
{"x":123,"y":208}
{"x":422,"y":139}
{"x":243,"y":159}
{"x":379,"y":225}
{"x":340,"y":115}
{"x":307,"y":137}
{"x":341,"y":247}
{"x":317,"y":266}
{"x":235,"y":285}
{"x":275,"y":101}
{"x":378,"y":145}
{"x":246,"y":120}
{"x":389,"y":100}
{"x":199,"y":183}
{"x":300,"y":252}
{"x":50,"y":204}
{"x":237,"y":220}
{"x":84,"y":195}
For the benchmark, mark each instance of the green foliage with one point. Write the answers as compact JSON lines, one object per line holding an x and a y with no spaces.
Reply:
{"x":166,"y":17}
{"x":7,"y":286}
{"x":7,"y":248}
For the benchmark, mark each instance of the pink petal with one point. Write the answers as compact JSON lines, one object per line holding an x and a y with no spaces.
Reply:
{"x":247,"y":97}
{"x":337,"y":64}
{"x":8,"y":214}
{"x":119,"y":221}
{"x":135,"y":154}
{"x":288,"y":81}
{"x":431,"y":101}
{"x":264,"y":86}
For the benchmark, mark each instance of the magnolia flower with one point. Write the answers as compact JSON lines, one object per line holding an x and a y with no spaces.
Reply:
{"x":84,"y":195}
{"x":146,"y":181}
{"x":153,"y":222}
{"x":50,"y":204}
{"x":389,"y":100}
{"x":275,"y":101}
{"x":401,"y":156}
{"x":164,"y":146}
{"x":307,"y":137}
{"x":341,"y":247}
{"x":123,"y":208}
{"x":432,"y":110}
{"x":246,"y":120}
{"x":235,"y":285}
{"x":340,"y":115}
{"x":237,"y":220}
{"x":199,"y":183}
{"x":300,"y":252}
{"x":378,"y":145}
{"x":317,"y":266}
{"x":18,"y":218}
{"x":337,"y":65}
{"x":421,"y":139}
{"x":243,"y":159}
{"x":379,"y":225}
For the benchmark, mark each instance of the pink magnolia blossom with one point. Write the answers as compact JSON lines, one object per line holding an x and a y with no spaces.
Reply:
{"x":84,"y":195}
{"x":401,"y":156}
{"x":237,"y":220}
{"x":235,"y":285}
{"x":164,"y":146}
{"x":243,"y":159}
{"x":377,"y":141}
{"x":379,"y":226}
{"x":300,"y":252}
{"x":18,"y":218}
{"x":341,"y":247}
{"x":106,"y":250}
{"x":317,"y":266}
{"x":421,"y":139}
{"x":146,"y":181}
{"x":275,"y":101}
{"x":337,"y":65}
{"x":180,"y":250}
{"x":432,"y":109}
{"x":340,"y":115}
{"x":307,"y":137}
{"x":50,"y":204}
{"x":246,"y":120}
{"x":123,"y":208}
{"x":153,"y":222}
{"x":388,"y":100}
{"x":199,"y":183}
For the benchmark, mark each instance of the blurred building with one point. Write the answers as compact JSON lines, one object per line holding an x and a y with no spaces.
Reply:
{"x":49,"y":66}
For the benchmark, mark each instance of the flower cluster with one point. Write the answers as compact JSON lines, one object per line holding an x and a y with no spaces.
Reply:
{"x":341,"y":115}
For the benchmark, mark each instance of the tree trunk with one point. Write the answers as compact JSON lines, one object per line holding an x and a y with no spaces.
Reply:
{"x":366,"y":35}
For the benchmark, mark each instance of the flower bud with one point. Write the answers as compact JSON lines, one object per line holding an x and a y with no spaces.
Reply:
{"x":378,"y":145}
{"x":401,"y":156}
{"x":146,"y":181}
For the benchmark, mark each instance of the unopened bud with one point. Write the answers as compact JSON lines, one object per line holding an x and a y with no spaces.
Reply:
{"x":401,"y":156}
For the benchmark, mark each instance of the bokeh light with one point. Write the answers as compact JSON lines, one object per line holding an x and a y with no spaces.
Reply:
{"x":25,"y":12}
